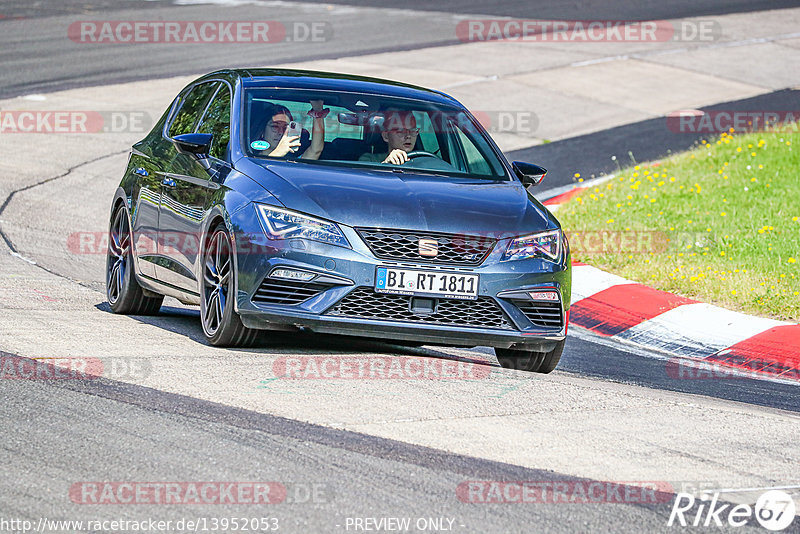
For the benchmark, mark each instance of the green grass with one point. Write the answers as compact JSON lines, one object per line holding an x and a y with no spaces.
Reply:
{"x":719,"y":223}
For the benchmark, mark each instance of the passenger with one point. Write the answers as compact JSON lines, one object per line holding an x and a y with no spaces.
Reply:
{"x":281,"y":144}
{"x":400,"y":133}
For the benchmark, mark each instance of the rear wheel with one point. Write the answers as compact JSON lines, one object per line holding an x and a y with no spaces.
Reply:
{"x":531,"y":361}
{"x":221,"y":324}
{"x":124,"y":294}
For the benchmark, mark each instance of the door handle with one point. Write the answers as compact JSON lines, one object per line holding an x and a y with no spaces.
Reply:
{"x":168,"y":182}
{"x":141,"y":171}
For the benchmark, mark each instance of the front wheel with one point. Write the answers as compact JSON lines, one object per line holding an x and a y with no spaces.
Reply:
{"x":531,"y":361}
{"x":124,"y":294}
{"x":221,"y":324}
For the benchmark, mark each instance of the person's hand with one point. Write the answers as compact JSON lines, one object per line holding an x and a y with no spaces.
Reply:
{"x":397,"y":156}
{"x":316,"y":105}
{"x":288,"y":143}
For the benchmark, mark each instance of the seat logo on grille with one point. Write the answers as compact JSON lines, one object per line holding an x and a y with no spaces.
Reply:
{"x":428,"y":247}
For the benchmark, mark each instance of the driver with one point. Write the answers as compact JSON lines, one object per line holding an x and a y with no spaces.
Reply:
{"x":400,"y":133}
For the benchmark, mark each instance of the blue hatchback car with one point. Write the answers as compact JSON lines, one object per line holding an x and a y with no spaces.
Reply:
{"x":287,"y":200}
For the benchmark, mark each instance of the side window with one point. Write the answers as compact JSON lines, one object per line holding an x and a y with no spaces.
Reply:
{"x":217,"y":121}
{"x":476,"y":162}
{"x":192,"y":106}
{"x":427,"y":132}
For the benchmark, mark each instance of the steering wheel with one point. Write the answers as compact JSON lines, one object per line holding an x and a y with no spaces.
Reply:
{"x":421,"y":154}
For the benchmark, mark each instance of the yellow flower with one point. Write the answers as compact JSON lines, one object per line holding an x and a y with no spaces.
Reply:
{"x":791,"y":260}
{"x":723,"y":214}
{"x":577,"y":175}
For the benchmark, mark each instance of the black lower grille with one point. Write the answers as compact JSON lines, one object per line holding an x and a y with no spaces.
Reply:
{"x":364,"y":303}
{"x":274,"y":291}
{"x":545,"y":314}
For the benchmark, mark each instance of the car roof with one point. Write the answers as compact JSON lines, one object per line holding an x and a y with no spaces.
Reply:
{"x":332,"y":81}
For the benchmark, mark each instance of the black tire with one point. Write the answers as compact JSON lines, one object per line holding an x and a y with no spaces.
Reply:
{"x":531,"y":361}
{"x":222,"y":326}
{"x":124,"y":294}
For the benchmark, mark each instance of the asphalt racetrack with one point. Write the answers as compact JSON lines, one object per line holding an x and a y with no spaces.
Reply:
{"x":347,"y":452}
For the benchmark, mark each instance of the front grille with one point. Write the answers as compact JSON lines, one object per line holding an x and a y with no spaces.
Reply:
{"x":545,"y":314}
{"x":453,"y":249}
{"x":275,"y":291}
{"x":364,"y":303}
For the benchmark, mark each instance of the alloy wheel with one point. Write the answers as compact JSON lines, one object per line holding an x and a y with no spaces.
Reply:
{"x":216,"y":281}
{"x":119,"y":241}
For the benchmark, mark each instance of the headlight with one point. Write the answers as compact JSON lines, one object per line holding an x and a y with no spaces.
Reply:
{"x":285,"y":224}
{"x":546,"y":245}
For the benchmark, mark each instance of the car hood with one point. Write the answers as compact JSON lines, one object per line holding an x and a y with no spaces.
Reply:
{"x":408,"y":200}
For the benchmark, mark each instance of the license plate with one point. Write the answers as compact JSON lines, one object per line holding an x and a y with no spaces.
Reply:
{"x":448,"y":285}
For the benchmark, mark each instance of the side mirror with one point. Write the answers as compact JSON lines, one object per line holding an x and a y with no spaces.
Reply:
{"x":528,"y":173}
{"x":198,"y":144}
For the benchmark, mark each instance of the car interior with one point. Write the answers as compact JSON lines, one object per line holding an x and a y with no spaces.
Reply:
{"x":447,"y":140}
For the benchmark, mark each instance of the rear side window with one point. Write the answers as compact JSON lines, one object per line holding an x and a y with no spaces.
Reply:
{"x":192,"y":106}
{"x":217,"y":121}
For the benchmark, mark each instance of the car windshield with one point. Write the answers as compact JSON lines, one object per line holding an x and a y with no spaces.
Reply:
{"x":367,"y":131}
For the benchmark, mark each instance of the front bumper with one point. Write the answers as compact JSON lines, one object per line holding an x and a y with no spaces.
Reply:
{"x":352,"y":272}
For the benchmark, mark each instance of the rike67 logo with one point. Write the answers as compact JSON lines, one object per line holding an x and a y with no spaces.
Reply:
{"x":774,"y":510}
